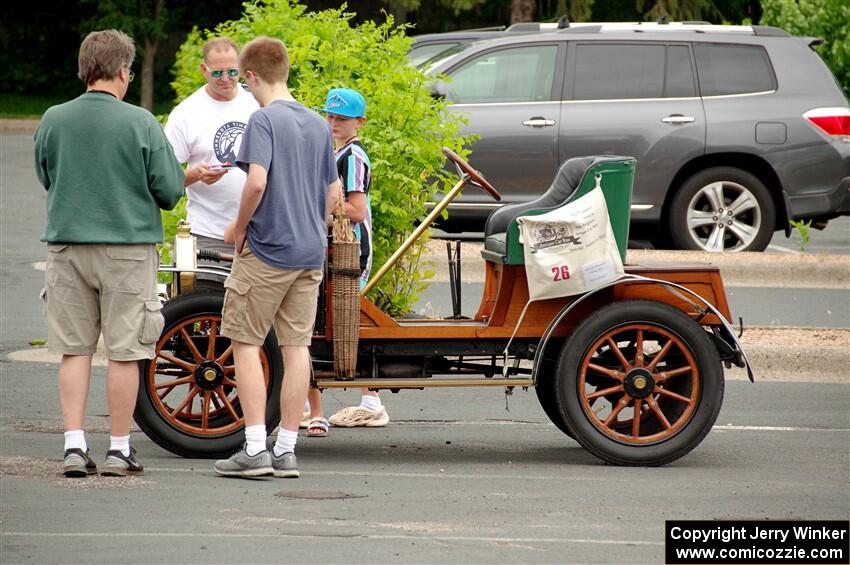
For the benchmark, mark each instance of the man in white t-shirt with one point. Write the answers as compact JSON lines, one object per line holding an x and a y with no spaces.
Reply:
{"x":205,"y":131}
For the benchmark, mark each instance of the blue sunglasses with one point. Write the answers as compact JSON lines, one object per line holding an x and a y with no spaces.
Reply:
{"x":232,"y":73}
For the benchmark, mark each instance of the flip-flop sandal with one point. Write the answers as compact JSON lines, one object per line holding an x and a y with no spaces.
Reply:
{"x":305,"y":420}
{"x":318,"y":427}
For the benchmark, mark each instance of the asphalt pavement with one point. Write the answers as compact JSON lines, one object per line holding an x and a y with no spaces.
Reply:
{"x":459,"y":475}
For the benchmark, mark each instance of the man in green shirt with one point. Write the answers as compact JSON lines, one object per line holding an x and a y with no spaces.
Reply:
{"x":108,"y":169}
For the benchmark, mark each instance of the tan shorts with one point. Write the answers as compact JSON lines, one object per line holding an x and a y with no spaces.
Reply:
{"x":259,"y":295}
{"x":100,"y":288}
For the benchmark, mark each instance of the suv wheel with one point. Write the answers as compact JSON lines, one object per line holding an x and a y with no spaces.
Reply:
{"x":722,"y":209}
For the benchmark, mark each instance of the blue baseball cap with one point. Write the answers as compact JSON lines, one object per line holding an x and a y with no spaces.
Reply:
{"x":345,"y":102}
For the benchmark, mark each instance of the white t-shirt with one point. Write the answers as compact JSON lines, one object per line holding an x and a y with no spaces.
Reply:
{"x":202,"y":129}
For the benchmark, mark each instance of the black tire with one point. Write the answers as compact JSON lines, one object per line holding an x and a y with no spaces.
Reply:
{"x":707,"y":196}
{"x":689,"y":399}
{"x":214,"y":430}
{"x":545,"y":389}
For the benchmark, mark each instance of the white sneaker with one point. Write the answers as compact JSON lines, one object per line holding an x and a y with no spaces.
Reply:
{"x":355,"y":416}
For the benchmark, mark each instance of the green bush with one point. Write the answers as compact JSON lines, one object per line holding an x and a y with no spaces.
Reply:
{"x":826,"y":19}
{"x":405,"y":130}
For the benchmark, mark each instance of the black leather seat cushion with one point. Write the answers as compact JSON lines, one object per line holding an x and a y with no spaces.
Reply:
{"x":566,"y":182}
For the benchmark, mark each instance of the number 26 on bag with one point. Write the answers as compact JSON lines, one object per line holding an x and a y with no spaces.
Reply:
{"x":560,"y":273}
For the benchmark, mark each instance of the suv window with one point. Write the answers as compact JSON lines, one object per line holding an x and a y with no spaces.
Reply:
{"x":679,"y":81}
{"x":422,"y":53}
{"x":633,"y":70}
{"x":732,"y":69}
{"x":442,"y":55}
{"x":607,"y":71}
{"x":523,"y":74}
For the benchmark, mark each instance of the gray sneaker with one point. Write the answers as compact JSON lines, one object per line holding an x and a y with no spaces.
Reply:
{"x":240,"y":464}
{"x":78,"y":464}
{"x":285,"y":466}
{"x":119,"y":465}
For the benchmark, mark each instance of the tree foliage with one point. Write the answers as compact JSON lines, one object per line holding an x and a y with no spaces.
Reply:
{"x":826,"y":19}
{"x":522,"y":11}
{"x":676,"y":10}
{"x":405,"y":130}
{"x":576,"y":10}
{"x":147,"y":21}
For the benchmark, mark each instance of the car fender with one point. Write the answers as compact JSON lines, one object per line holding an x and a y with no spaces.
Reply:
{"x":726,"y":332}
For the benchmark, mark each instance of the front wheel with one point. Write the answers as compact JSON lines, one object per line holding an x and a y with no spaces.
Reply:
{"x":722,"y":209}
{"x":639,"y":383}
{"x":187,"y":402}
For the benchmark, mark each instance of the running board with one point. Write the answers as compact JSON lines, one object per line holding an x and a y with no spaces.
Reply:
{"x":436,"y":382}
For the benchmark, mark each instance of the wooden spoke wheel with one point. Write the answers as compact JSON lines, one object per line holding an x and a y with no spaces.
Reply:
{"x":639,"y":383}
{"x":188,"y":401}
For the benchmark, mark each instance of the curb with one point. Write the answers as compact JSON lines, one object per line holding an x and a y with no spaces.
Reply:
{"x":796,"y":355}
{"x":737,"y":269}
{"x":18,"y":126}
{"x":755,"y":269}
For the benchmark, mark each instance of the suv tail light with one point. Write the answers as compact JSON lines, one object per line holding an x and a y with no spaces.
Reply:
{"x":831,"y":121}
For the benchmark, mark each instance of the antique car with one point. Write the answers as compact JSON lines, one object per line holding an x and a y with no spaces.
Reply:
{"x":632,"y":369}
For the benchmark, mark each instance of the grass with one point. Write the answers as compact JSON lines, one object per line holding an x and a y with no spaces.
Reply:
{"x":24,"y":107}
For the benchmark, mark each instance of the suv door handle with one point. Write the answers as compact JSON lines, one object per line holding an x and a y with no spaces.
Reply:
{"x":538,"y":122}
{"x":677,"y":119}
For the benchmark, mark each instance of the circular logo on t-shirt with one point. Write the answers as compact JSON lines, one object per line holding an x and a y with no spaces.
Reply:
{"x":227,"y":140}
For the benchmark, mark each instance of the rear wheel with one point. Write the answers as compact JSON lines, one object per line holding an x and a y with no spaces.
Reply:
{"x":639,"y":383}
{"x":187,"y":402}
{"x":545,"y":389}
{"x":722,"y":209}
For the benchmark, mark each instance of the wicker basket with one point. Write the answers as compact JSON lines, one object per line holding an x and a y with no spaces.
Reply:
{"x":346,"y":307}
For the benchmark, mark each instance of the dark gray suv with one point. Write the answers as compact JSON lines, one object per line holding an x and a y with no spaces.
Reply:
{"x":736,"y":129}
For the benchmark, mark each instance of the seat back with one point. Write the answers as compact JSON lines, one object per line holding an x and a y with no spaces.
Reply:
{"x":575,"y":178}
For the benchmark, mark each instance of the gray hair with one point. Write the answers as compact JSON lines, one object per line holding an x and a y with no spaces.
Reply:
{"x":103,"y":53}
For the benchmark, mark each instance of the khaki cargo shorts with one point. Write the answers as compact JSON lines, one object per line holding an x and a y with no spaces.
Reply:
{"x":259,"y":296}
{"x":98,"y":288}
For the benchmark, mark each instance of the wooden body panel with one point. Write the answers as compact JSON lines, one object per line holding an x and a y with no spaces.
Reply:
{"x":506,"y":293}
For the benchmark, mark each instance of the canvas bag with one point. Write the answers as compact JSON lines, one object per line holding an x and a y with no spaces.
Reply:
{"x":570,"y":250}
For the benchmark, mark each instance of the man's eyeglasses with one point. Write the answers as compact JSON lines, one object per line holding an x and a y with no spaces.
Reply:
{"x":232,"y":73}
{"x":130,"y":74}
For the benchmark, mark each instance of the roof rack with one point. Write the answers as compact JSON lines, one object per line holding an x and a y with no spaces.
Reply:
{"x":668,"y":26}
{"x":770,"y":31}
{"x":491,"y":28}
{"x":533,"y":26}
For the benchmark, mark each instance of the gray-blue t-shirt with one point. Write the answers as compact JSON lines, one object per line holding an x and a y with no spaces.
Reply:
{"x":295,"y":146}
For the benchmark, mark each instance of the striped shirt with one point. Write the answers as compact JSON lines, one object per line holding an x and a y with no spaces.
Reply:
{"x":355,"y":172}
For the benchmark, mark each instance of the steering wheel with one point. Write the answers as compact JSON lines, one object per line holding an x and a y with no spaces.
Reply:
{"x":477,"y":178}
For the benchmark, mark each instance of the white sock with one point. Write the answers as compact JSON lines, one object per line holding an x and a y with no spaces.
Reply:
{"x":285,"y":442}
{"x":372,"y":403}
{"x":75,"y":439}
{"x":255,"y":437}
{"x":120,"y":443}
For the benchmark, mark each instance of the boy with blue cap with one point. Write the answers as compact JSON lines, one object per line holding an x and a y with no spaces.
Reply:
{"x":345,"y":109}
